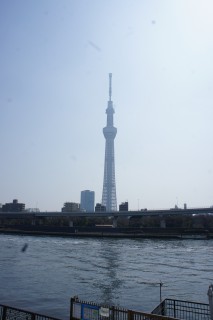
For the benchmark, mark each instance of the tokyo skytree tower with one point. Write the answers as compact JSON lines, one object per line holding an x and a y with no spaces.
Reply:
{"x":109,"y":188}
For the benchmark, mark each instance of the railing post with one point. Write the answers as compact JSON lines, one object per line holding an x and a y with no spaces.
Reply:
{"x":174,"y":310}
{"x":71,"y":307}
{"x":72,"y":300}
{"x":130,"y":315}
{"x":113,"y":311}
{"x":4,"y":313}
{"x":33,"y":316}
{"x":210,"y":296}
{"x":162,"y":308}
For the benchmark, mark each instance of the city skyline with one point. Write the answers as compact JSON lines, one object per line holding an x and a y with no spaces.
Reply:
{"x":54,"y":60}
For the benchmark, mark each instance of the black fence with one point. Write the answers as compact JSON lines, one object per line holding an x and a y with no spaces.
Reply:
{"x":82,"y":310}
{"x":9,"y":313}
{"x":185,"y":310}
{"x":169,"y":309}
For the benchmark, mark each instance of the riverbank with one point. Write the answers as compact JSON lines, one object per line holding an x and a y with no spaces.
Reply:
{"x":109,"y":232}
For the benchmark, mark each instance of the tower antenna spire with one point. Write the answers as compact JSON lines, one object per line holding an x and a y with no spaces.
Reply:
{"x":110,"y":86}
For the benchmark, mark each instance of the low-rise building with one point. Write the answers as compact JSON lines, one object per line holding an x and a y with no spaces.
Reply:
{"x":71,"y":207}
{"x":100,"y":208}
{"x":124,"y":206}
{"x":13,"y":207}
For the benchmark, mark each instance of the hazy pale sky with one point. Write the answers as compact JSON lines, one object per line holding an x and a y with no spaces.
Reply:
{"x":55,"y":58}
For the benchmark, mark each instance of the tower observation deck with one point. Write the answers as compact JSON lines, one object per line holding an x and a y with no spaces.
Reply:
{"x":109,"y":188}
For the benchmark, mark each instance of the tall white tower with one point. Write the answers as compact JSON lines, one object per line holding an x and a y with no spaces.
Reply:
{"x":109,"y":188}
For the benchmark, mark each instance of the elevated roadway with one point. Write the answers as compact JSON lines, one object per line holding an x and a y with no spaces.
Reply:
{"x":160,"y":212}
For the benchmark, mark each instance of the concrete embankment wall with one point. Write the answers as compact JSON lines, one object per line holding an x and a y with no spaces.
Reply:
{"x":182,"y":233}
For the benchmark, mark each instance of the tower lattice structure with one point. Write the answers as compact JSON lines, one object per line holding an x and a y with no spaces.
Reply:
{"x":109,"y":187}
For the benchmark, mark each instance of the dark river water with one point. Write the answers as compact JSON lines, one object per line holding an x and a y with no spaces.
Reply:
{"x":123,"y":272}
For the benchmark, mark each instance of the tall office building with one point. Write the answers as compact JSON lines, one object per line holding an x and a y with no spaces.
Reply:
{"x":87,"y":201}
{"x":109,"y":188}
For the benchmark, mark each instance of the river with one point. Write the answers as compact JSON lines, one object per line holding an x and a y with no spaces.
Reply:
{"x":123,"y":272}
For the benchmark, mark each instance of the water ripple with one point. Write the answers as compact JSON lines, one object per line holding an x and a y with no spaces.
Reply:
{"x":123,"y":272}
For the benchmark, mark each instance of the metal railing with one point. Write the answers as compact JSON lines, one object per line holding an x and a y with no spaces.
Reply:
{"x":84,"y":310}
{"x":168,"y":309}
{"x":10,"y":313}
{"x":183,"y":309}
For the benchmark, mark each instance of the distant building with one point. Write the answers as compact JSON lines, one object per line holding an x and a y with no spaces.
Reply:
{"x":124,"y":206}
{"x":100,"y":208}
{"x":31,"y":210}
{"x":71,"y":207}
{"x":13,"y":207}
{"x":87,"y":201}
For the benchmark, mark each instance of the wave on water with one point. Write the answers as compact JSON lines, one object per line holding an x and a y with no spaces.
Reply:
{"x":124,"y":272}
